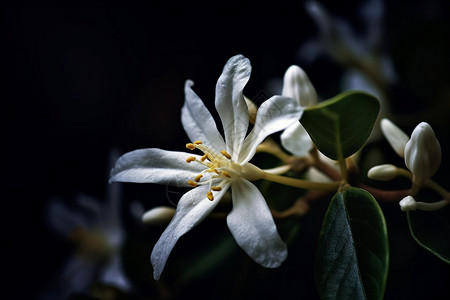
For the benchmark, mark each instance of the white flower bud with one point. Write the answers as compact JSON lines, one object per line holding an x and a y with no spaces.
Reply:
{"x":296,"y":85}
{"x":160,"y":215}
{"x":395,"y":136}
{"x":423,"y":153}
{"x":383,"y":172}
{"x":408,"y":203}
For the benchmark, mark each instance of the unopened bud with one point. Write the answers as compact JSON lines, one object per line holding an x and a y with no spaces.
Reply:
{"x":423,"y":153}
{"x":395,"y":136}
{"x":297,"y":85}
{"x":160,"y":215}
{"x":408,"y":203}
{"x":383,"y":172}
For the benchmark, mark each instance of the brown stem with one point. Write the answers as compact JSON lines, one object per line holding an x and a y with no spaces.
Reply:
{"x":386,"y":196}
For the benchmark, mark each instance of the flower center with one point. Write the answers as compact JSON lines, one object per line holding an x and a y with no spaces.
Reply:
{"x":221,"y":166}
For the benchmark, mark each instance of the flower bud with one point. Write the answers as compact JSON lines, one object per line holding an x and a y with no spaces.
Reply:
{"x":395,"y":136}
{"x":423,"y":153}
{"x":408,"y":203}
{"x":160,"y":215}
{"x":297,"y":85}
{"x":383,"y":172}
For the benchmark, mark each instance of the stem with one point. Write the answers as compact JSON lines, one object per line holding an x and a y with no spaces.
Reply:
{"x":438,"y":188}
{"x":322,"y":166}
{"x":386,"y":196}
{"x":426,"y":206}
{"x":300,"y":183}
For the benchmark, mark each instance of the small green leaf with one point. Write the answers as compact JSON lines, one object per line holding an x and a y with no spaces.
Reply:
{"x":340,"y":126}
{"x":431,"y":230}
{"x":352,"y":254}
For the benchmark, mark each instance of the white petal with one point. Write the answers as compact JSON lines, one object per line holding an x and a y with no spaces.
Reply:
{"x":275,"y":114}
{"x":198,"y":122}
{"x":193,"y":207}
{"x":395,"y":136}
{"x":230,"y":103}
{"x":296,"y":140}
{"x":253,"y":227}
{"x":155,"y":166}
{"x":296,"y":85}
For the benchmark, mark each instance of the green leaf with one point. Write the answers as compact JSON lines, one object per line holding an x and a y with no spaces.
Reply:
{"x":431,"y":230}
{"x":353,"y":253}
{"x":340,"y":126}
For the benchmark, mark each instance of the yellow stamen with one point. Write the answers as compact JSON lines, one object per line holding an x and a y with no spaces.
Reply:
{"x":198,"y":177}
{"x":190,"y":146}
{"x":225,"y":153}
{"x":226,"y":174}
{"x":216,"y":188}
{"x":210,"y":195}
{"x":198,"y":142}
{"x":217,"y":172}
{"x":204,"y":157}
{"x":190,"y":159}
{"x":192,"y":183}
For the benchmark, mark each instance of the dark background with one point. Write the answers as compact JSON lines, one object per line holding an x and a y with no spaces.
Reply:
{"x":83,"y":77}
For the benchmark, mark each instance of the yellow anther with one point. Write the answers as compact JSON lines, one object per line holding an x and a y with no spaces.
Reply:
{"x":192,"y":183}
{"x":190,"y":146}
{"x":204,"y":157}
{"x":217,"y":171}
{"x":225,"y":153}
{"x":189,"y":159}
{"x":210,"y":195}
{"x":226,"y":174}
{"x":198,"y":177}
{"x":198,"y":142}
{"x":216,"y":188}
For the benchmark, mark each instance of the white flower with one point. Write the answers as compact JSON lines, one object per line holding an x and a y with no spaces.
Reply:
{"x":423,"y":153}
{"x":225,"y":164}
{"x":395,"y":136}
{"x":297,"y":85}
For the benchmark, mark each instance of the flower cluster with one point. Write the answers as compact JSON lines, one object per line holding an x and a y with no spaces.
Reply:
{"x":422,"y":156}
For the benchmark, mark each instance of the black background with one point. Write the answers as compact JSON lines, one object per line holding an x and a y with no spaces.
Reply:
{"x":83,"y":77}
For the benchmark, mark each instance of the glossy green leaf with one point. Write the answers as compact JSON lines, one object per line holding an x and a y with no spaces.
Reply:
{"x":431,"y":230}
{"x":353,"y":253}
{"x":340,"y":126}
